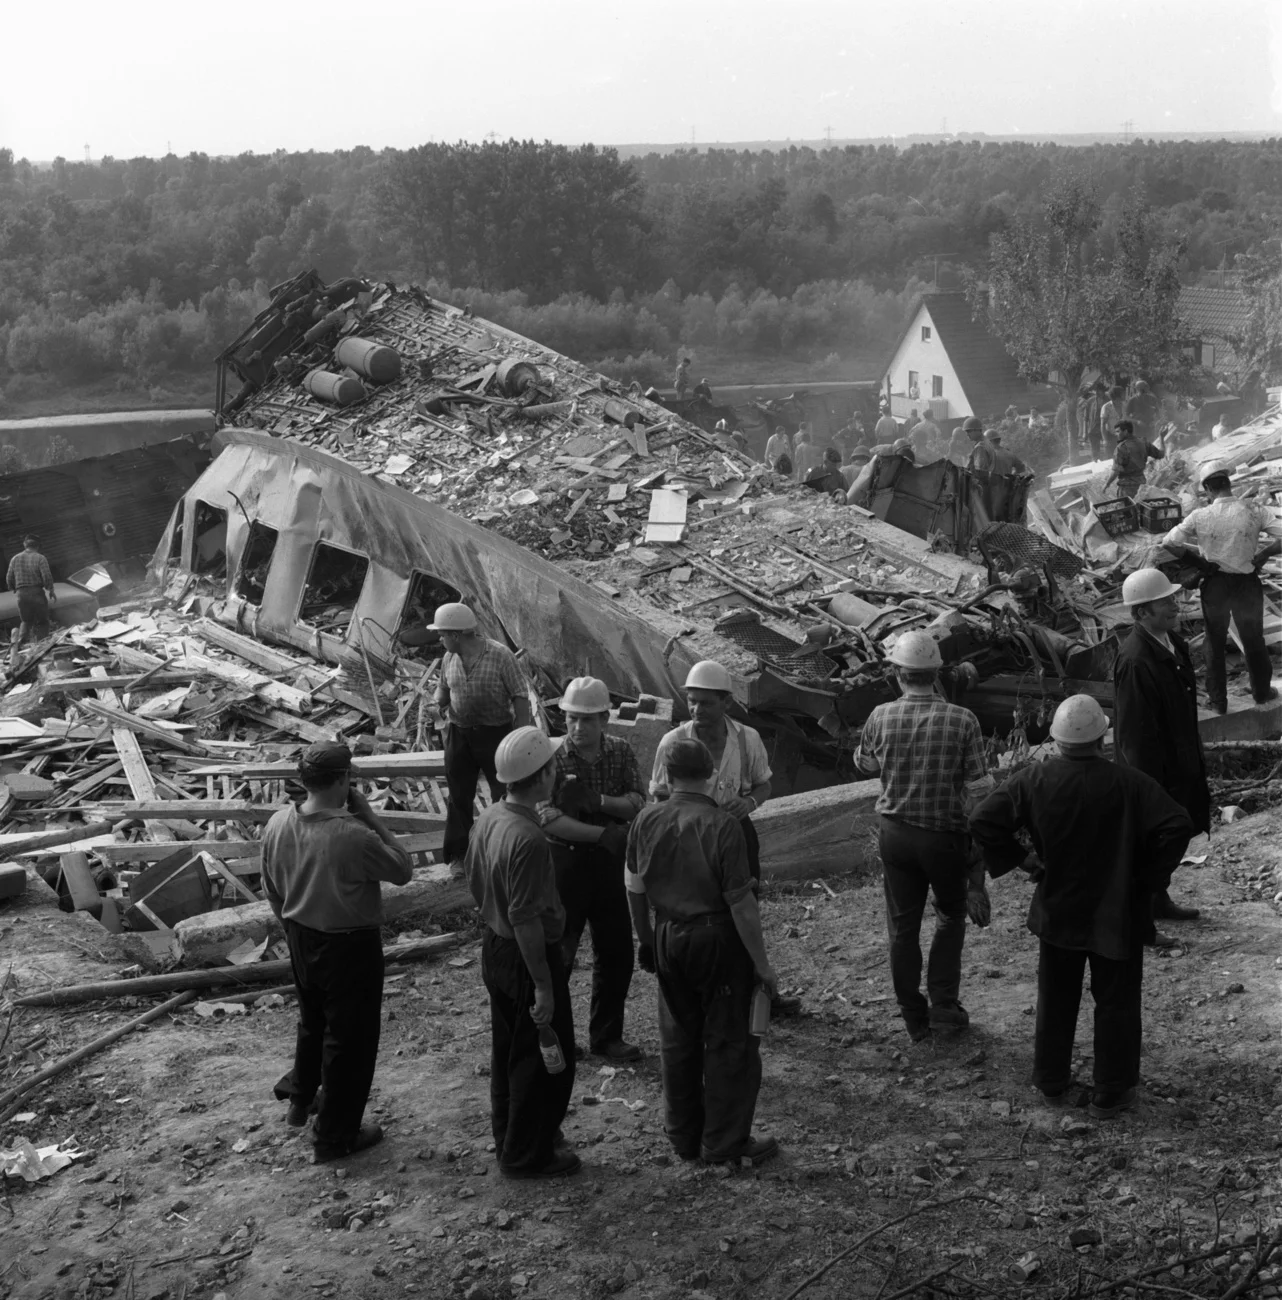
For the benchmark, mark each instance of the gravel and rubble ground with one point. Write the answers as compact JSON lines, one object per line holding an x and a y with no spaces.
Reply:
{"x":196,"y":1187}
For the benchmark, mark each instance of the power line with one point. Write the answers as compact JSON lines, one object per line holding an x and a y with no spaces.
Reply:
{"x":937,"y":256}
{"x":828,"y":135}
{"x":1127,"y":128}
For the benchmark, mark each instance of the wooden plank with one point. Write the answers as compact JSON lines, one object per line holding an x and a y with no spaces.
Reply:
{"x":423,"y":762}
{"x":120,"y":719}
{"x":129,"y":751}
{"x":283,"y":721}
{"x":52,"y":839}
{"x":246,"y":648}
{"x":88,"y":784}
{"x":240,"y":856}
{"x":212,"y":864}
{"x":232,"y":810}
{"x":72,"y":685}
{"x":246,"y":679}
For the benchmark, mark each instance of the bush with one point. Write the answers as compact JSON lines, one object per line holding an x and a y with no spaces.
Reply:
{"x":649,"y":369}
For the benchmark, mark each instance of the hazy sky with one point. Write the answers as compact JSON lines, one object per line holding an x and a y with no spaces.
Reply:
{"x":135,"y":76}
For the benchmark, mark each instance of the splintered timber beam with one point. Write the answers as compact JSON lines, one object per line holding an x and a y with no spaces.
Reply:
{"x":237,"y":851}
{"x":262,"y":972}
{"x":119,"y":718}
{"x":427,"y":762}
{"x":52,"y":839}
{"x":229,"y":810}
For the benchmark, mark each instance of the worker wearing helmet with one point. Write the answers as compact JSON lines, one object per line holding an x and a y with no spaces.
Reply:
{"x":981,"y":451}
{"x":930,"y":757}
{"x":509,"y":872}
{"x":1226,"y":533}
{"x":702,"y":391}
{"x":688,"y":860}
{"x":881,"y":469}
{"x":1107,"y":837}
{"x":741,"y":783}
{"x":1155,"y":719}
{"x":598,"y":792}
{"x":682,"y":380}
{"x":482,"y":696}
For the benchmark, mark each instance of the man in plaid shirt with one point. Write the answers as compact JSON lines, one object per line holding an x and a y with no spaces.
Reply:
{"x":30,"y":576}
{"x":598,"y":792}
{"x":929,"y":755}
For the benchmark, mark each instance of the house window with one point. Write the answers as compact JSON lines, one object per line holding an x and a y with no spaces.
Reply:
{"x":925,"y":333}
{"x":914,"y":387}
{"x":1208,"y":355}
{"x":255,"y":560}
{"x":936,"y":385}
{"x":334,"y":583}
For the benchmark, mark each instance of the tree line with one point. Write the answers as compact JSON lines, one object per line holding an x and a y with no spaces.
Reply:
{"x":135,"y":271}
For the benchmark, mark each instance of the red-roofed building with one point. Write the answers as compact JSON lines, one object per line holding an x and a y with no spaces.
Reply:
{"x":1214,"y":316}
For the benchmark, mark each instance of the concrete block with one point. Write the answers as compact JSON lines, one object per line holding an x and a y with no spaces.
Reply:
{"x":642,"y":725}
{"x":819,"y":832}
{"x":1255,"y":722}
{"x":206,"y":940}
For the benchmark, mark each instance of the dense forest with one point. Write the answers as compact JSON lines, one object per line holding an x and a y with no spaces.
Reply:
{"x":128,"y":275}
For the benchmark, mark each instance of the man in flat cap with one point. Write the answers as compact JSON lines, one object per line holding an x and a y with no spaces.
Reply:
{"x":322,"y":864}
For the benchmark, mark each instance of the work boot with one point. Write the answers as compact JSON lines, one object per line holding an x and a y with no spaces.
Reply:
{"x":1108,"y":1105}
{"x":755,"y":1152}
{"x":368,"y":1136}
{"x":1165,"y":909}
{"x":297,"y":1114}
{"x":619,"y":1051}
{"x":563,"y":1163}
{"x":1070,"y":1097}
{"x":1218,"y":706}
{"x":949,"y":1015}
{"x":784,"y":1005}
{"x":1269,"y":697}
{"x":1160,"y":939}
{"x":918,"y":1030}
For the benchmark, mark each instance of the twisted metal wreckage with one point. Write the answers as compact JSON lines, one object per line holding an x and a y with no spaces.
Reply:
{"x":382,"y":452}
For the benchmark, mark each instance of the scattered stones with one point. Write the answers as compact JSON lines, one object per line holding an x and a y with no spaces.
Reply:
{"x":1084,"y":1237}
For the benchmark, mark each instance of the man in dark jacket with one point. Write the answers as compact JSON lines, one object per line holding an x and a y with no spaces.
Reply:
{"x":1155,"y":718}
{"x":1131,"y":458}
{"x":1106,"y":836}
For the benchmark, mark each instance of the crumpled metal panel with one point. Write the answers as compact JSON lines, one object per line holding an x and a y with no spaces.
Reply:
{"x":1027,"y":547}
{"x":566,"y":625}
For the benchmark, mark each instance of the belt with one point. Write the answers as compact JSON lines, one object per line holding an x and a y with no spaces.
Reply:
{"x":30,"y":586}
{"x":706,"y":919}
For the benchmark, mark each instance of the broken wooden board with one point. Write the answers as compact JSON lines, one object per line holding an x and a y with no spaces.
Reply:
{"x":279,"y":720}
{"x":72,"y":685}
{"x":246,"y":648}
{"x":237,"y":854}
{"x":230,"y":810}
{"x":667,"y":521}
{"x":275,"y":693}
{"x":127,"y":721}
{"x":426,"y":762}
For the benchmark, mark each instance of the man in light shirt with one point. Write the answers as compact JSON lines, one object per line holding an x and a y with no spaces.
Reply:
{"x":1226,"y":533}
{"x":1221,"y":428}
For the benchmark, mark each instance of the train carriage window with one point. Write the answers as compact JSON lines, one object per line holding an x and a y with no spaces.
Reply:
{"x":255,"y":561}
{"x":425,"y":594}
{"x":209,"y":550}
{"x":334,"y":583}
{"x":176,"y":541}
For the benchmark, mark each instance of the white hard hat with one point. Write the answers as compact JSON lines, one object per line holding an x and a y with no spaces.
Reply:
{"x":721,"y":426}
{"x":453,"y":618}
{"x":916,"y":650}
{"x":586,"y":695}
{"x":708,"y":675}
{"x":1147,"y":584}
{"x":1078,"y":721}
{"x":523,"y":752}
{"x":1214,"y":467}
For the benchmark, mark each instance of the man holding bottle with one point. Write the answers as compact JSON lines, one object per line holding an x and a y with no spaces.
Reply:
{"x":509,"y":871}
{"x":688,"y":860}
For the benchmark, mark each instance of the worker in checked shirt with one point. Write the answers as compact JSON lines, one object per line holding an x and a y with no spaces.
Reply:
{"x":930,"y":757}
{"x":1227,"y":533}
{"x":30,"y":576}
{"x":598,"y":792}
{"x":482,"y":695}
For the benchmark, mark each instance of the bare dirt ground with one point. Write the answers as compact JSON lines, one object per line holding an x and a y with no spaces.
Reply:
{"x":196,"y":1187}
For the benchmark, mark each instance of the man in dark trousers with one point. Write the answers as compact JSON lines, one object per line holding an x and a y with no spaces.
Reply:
{"x":687,"y":860}
{"x":322,"y":864}
{"x":930,"y":757}
{"x":598,"y":792}
{"x":510,"y":874}
{"x":482,"y":696}
{"x":1107,"y":836}
{"x":1155,"y":713}
{"x":1226,"y":534}
{"x":1142,"y":409}
{"x":30,"y":576}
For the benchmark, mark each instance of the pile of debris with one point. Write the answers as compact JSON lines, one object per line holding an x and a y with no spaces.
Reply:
{"x":143,"y":753}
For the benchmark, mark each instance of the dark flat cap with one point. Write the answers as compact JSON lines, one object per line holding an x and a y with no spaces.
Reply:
{"x":326,"y":756}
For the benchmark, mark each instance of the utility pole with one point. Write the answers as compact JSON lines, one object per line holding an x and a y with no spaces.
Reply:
{"x":1127,"y":127}
{"x":937,"y":256}
{"x":828,"y":135}
{"x":87,"y":158}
